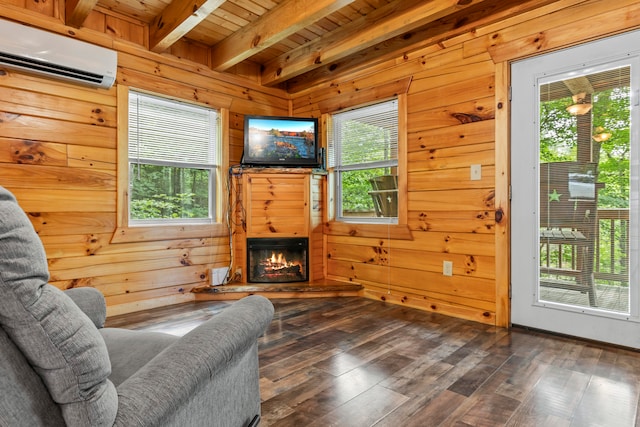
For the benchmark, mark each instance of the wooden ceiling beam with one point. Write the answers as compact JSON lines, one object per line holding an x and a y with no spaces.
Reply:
{"x":485,"y":13}
{"x":382,"y":24}
{"x":176,"y":20}
{"x":76,"y":11}
{"x":277,"y":24}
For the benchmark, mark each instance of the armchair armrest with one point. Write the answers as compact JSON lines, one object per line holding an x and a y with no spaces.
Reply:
{"x":91,"y":302}
{"x":210,"y":370}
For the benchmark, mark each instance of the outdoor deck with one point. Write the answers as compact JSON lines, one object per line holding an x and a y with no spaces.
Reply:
{"x":611,"y":266}
{"x":608,"y":297}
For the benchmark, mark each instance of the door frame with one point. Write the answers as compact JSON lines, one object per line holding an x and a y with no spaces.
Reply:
{"x":526,"y":310}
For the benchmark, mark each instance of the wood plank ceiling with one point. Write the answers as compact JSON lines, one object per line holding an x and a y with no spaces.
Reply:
{"x":296,"y":44}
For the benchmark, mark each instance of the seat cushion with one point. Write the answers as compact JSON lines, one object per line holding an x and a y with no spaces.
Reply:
{"x":131,"y":350}
{"x":60,"y":342}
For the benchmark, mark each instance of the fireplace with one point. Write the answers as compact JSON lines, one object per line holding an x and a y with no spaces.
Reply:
{"x":277,"y":260}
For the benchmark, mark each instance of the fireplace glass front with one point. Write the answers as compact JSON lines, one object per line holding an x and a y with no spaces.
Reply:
{"x":277,"y":260}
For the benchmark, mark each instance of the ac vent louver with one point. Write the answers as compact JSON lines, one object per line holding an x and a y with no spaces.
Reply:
{"x":49,"y":68}
{"x":42,"y":53}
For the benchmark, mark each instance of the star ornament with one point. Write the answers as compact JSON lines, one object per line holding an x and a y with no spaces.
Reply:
{"x":555,"y":196}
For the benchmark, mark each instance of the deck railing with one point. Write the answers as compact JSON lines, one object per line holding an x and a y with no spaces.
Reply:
{"x":611,"y":256}
{"x":612,"y":246}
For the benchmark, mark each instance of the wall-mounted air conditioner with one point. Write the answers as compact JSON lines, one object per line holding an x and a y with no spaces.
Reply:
{"x":40,"y":52}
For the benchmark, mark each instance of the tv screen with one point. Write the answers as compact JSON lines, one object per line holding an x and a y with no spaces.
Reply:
{"x":280,"y":141}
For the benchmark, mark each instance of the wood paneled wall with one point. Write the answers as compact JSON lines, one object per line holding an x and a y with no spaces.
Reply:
{"x":58,"y":155}
{"x":457,"y":116}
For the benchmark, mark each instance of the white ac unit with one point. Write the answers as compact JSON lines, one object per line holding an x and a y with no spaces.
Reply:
{"x":40,"y":52}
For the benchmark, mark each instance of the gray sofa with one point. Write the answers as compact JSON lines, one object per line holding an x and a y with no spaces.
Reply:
{"x":60,"y":366}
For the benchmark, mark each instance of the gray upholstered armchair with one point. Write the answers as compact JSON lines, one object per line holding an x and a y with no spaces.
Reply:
{"x":60,"y":366}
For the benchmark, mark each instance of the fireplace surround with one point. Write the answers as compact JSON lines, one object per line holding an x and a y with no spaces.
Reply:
{"x":278,"y":259}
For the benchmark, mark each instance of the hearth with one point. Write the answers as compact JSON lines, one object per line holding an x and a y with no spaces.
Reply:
{"x":277,"y":260}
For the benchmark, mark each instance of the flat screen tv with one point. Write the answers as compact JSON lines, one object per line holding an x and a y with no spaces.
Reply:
{"x":280,"y":141}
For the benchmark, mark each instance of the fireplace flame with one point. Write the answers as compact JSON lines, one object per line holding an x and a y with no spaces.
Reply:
{"x":278,"y":261}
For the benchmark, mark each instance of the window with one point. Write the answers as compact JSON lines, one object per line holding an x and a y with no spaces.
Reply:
{"x":363,"y":152}
{"x":173,"y":160}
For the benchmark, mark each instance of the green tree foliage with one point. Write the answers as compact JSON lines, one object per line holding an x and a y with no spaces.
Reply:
{"x":165,"y":192}
{"x":610,"y":113}
{"x":355,"y":189}
{"x":558,"y":132}
{"x":362,"y":145}
{"x":611,"y":110}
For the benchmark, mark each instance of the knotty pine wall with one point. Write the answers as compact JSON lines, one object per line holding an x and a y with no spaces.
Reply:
{"x":58,"y":156}
{"x":457,"y":116}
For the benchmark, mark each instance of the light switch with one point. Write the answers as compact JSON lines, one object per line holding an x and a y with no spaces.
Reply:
{"x":476,"y":172}
{"x":447,"y":268}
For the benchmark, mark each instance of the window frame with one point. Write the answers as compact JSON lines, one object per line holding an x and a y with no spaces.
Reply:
{"x":129,"y":232}
{"x":339,"y":169}
{"x":163,"y":156}
{"x":399,"y":229}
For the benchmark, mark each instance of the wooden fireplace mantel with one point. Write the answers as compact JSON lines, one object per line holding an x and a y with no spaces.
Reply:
{"x":243,"y":170}
{"x":280,"y":202}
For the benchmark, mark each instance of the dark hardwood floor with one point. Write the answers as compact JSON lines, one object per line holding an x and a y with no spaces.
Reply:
{"x":359,"y":362}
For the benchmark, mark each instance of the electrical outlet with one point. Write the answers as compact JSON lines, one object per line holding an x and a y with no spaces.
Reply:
{"x":447,"y":268}
{"x":476,"y":172}
{"x":218,"y":275}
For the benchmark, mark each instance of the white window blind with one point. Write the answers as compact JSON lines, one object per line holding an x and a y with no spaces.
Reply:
{"x":364,"y":136}
{"x":171,"y":132}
